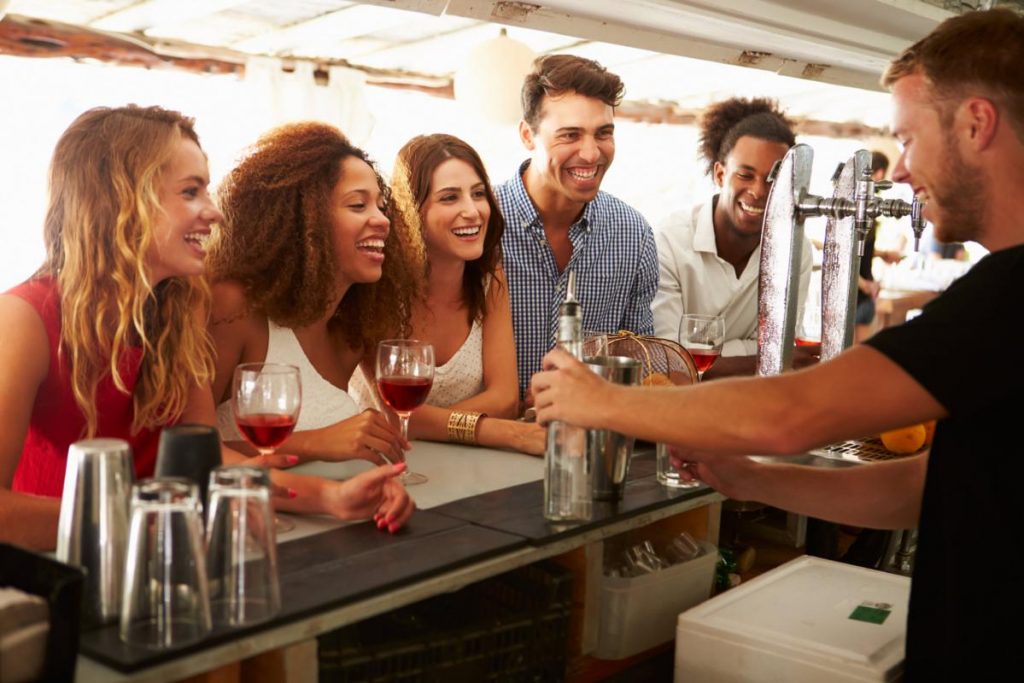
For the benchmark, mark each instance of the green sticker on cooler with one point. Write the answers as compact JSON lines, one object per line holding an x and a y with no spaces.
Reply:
{"x":872,"y":612}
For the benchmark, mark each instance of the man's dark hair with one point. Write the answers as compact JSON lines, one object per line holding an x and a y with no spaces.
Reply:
{"x":727,"y":121}
{"x":879,"y":162}
{"x":555,"y":75}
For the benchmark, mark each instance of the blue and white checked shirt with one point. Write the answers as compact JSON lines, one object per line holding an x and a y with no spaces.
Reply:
{"x":616,"y":266}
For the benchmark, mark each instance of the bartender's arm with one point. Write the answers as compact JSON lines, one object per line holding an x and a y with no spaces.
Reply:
{"x":860,"y":392}
{"x":884,"y":495}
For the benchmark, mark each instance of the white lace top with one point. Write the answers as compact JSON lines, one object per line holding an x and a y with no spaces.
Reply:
{"x":323,"y":403}
{"x":458,"y":379}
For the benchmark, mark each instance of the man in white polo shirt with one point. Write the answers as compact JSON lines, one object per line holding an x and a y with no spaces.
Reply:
{"x":709,"y":255}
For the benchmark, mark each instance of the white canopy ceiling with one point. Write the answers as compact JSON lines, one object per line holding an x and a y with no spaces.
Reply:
{"x":690,"y":52}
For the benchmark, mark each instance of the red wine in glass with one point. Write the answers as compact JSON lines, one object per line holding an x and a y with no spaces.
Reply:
{"x":266,"y":402}
{"x":405,"y":374}
{"x":266,"y":431}
{"x":704,"y":358}
{"x":703,"y":336}
{"x":404,"y":394}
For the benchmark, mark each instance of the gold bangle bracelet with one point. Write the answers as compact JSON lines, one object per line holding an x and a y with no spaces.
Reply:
{"x":462,"y":426}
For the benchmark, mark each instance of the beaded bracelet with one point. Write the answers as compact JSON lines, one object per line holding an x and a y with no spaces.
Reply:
{"x":462,"y":426}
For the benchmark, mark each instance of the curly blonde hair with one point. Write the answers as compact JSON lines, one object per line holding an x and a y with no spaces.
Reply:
{"x":102,"y":208}
{"x":276,"y":238}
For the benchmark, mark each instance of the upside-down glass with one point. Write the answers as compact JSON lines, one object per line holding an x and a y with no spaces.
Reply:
{"x":165,"y":601}
{"x":405,"y":374}
{"x":703,"y":336}
{"x":241,"y":548}
{"x":266,"y":401}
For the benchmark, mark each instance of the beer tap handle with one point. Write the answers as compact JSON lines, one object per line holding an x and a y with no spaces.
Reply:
{"x":917,"y":221}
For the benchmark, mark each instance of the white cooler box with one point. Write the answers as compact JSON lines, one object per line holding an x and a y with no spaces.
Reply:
{"x":807,"y":621}
{"x":640,"y":612}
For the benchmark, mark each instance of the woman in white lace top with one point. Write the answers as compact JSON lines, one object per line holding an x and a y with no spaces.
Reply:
{"x":304,"y":258}
{"x":443,"y":200}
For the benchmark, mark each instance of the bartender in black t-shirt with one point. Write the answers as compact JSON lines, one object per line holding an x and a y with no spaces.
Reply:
{"x":958,"y":98}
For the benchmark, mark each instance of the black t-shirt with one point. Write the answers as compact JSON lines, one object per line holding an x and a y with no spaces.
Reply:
{"x":967,"y":594}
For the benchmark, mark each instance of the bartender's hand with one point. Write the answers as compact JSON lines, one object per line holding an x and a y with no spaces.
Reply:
{"x":568,"y":391}
{"x":375,"y":493}
{"x":731,"y":475}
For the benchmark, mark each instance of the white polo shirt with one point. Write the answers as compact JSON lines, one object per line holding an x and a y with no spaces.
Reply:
{"x":694,"y":279}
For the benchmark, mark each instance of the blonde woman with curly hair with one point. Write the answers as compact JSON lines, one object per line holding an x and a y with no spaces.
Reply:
{"x":445,"y":206}
{"x":108,"y":338}
{"x":308,"y":273}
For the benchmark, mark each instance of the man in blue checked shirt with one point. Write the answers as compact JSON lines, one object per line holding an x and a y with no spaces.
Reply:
{"x":557,"y":219}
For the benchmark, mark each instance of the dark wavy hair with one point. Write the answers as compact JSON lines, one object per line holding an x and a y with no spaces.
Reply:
{"x":410,"y":185}
{"x":553,"y":75}
{"x":725,"y":122}
{"x":276,"y":238}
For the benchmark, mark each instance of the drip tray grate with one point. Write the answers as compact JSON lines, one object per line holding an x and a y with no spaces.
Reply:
{"x":860,"y":450}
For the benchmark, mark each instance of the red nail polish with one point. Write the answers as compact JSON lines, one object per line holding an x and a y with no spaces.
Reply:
{"x":292,"y":493}
{"x":392,"y":528}
{"x":292,"y":459}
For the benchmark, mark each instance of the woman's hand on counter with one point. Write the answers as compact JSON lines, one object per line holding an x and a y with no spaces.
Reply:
{"x":525,"y":437}
{"x":375,"y":493}
{"x":366,"y":436}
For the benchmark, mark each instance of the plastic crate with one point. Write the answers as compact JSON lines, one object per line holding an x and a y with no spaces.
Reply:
{"x":512,"y":627}
{"x":639,"y":612}
{"x":61,"y":585}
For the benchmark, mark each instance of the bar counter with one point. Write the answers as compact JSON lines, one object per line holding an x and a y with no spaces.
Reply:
{"x":479,"y":516}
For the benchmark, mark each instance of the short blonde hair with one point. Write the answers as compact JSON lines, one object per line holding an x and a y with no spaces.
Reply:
{"x":976,"y":53}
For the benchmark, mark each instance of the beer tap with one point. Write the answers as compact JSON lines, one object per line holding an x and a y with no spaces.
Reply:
{"x":850,"y":212}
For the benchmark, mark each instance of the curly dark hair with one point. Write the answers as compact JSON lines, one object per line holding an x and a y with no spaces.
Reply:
{"x":725,"y":122}
{"x":276,"y":238}
{"x":553,"y":75}
{"x":410,"y":185}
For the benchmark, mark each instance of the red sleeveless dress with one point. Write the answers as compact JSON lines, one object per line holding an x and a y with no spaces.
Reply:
{"x":56,"y":420}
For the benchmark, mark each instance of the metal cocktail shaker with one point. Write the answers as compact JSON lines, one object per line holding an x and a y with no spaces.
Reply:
{"x":94,"y":515}
{"x":609,"y":452}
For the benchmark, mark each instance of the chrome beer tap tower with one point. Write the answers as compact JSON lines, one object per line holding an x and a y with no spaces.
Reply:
{"x":850,"y":213}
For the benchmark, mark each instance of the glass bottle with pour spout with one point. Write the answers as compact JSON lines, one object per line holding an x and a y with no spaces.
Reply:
{"x":567,"y":475}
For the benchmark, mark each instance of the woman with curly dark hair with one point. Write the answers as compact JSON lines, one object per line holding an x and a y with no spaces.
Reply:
{"x":308,"y":272}
{"x":444,"y":204}
{"x":709,"y":255}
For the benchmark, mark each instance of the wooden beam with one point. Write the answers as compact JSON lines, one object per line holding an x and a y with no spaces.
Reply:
{"x":27,"y":37}
{"x":672,"y":113}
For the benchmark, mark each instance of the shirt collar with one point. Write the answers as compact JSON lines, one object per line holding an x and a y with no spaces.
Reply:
{"x":704,"y":233}
{"x":527,"y":214}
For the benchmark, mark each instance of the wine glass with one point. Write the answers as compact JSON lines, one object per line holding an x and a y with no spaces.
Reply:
{"x":703,"y":336}
{"x":266,"y":401}
{"x":405,"y":374}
